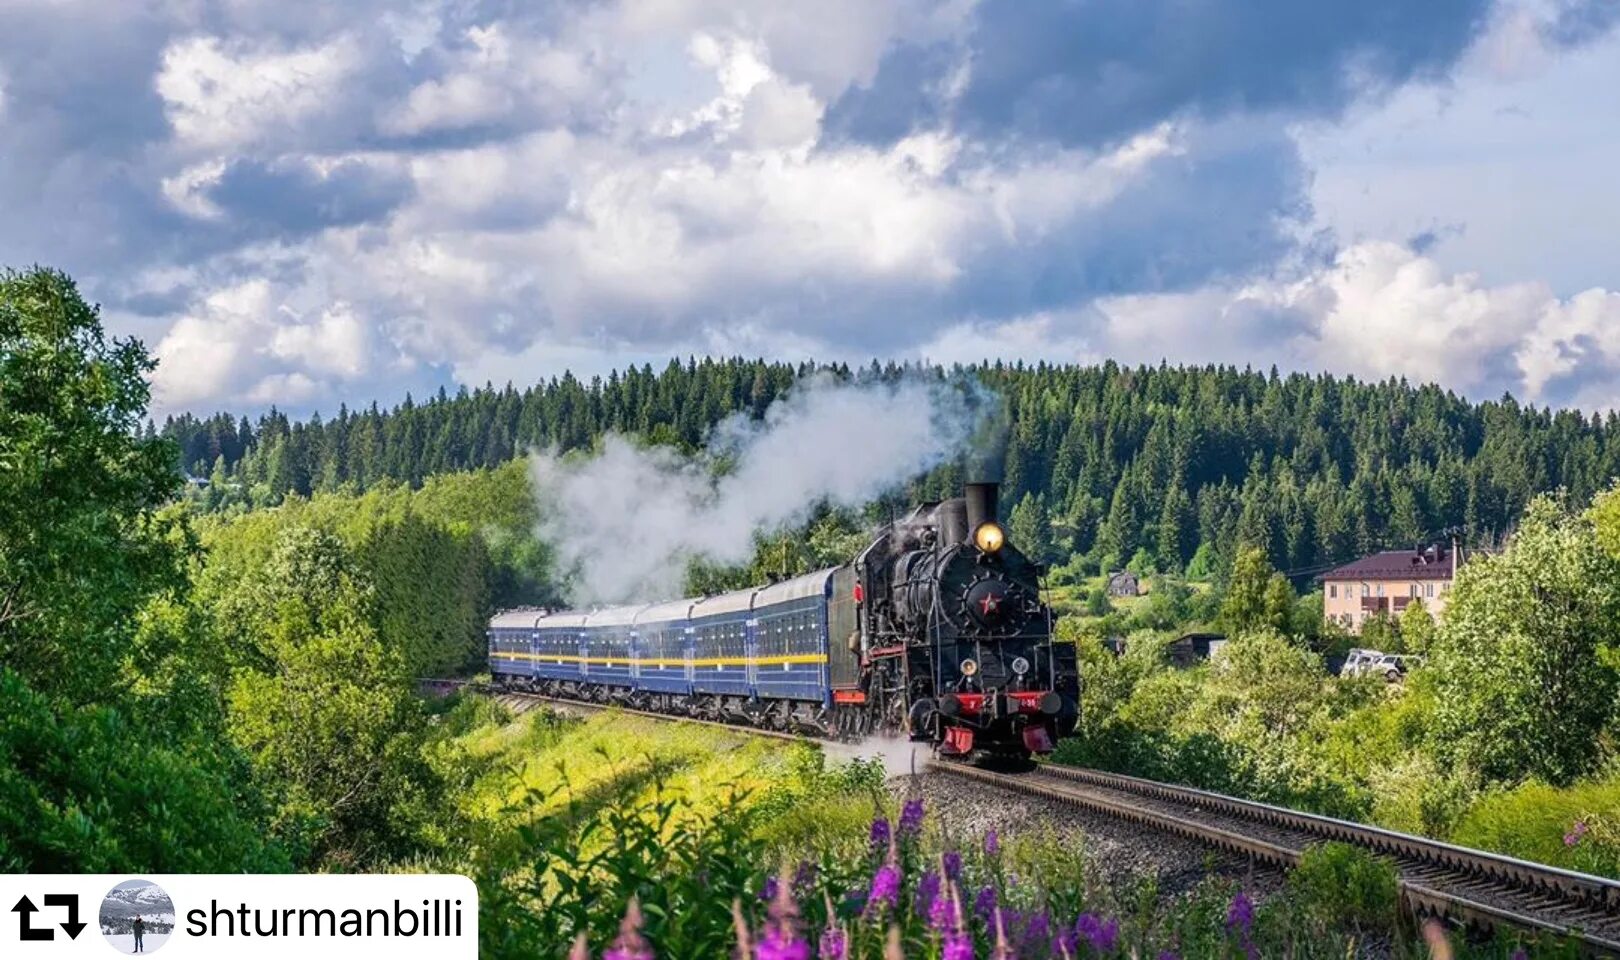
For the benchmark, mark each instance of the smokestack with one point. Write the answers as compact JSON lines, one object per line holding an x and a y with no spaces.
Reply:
{"x":953,"y":525}
{"x":981,"y":504}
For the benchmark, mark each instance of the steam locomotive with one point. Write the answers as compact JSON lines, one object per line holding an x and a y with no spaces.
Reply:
{"x":935,"y":631}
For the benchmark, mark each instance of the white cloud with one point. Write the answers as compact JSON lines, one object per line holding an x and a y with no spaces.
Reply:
{"x":493,"y":78}
{"x":1381,"y":310}
{"x":243,"y":343}
{"x":221,"y":95}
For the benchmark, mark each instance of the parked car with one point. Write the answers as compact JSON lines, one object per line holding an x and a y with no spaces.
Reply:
{"x":1391,"y":666}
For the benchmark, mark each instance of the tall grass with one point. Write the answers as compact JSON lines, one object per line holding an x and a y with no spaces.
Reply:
{"x":633,"y":839}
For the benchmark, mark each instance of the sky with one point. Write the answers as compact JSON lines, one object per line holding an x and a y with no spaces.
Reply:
{"x":306,"y":204}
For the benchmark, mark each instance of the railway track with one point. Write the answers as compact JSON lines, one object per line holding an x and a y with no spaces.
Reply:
{"x":1469,"y":888}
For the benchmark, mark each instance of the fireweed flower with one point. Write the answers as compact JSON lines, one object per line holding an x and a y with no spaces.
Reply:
{"x":879,"y":834}
{"x":630,"y":945}
{"x":885,"y":890}
{"x":992,"y":844}
{"x":779,"y":944}
{"x":1240,"y":915}
{"x":1575,"y":833}
{"x":768,"y":892}
{"x":911,"y":817}
{"x":1003,"y":949}
{"x":984,"y":905}
{"x":951,"y":863}
{"x":927,"y":893}
{"x":804,"y":878}
{"x":958,"y":946}
{"x":1037,"y":931}
{"x":1100,"y":934}
{"x":941,"y":915}
{"x":834,"y":944}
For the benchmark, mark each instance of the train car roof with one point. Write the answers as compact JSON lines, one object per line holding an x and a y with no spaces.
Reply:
{"x":614,"y":616}
{"x":563,"y":619}
{"x":739,"y":601}
{"x":666,"y":612}
{"x":523,"y":618}
{"x":809,"y":585}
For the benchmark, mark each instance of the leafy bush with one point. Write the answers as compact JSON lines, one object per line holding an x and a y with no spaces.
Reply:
{"x":1338,"y":884}
{"x":85,"y":790}
{"x":1573,"y":827}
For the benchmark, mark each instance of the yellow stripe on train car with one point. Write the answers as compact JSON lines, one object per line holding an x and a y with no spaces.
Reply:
{"x":797,"y":658}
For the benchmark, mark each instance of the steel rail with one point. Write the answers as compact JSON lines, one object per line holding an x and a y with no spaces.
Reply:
{"x":1469,"y":888}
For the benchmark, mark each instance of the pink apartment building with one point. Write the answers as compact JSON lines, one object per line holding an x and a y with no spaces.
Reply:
{"x":1386,"y":582}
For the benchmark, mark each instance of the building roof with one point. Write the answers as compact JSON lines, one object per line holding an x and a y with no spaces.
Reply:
{"x":1429,"y":564}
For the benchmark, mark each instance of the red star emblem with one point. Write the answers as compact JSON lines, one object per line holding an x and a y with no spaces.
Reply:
{"x":989,"y":603}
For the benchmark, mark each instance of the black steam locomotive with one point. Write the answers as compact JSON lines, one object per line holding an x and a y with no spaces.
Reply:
{"x":936,"y":631}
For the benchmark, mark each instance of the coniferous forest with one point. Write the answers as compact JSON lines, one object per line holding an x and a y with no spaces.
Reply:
{"x":1175,"y":465}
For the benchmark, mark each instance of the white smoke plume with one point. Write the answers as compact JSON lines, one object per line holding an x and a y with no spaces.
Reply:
{"x":627,"y":519}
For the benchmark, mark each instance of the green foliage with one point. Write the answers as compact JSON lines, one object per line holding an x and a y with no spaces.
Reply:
{"x":1417,"y":628}
{"x":1031,"y":527}
{"x":440,"y":558}
{"x":1338,"y":884}
{"x":84,"y":542}
{"x":1573,"y":828}
{"x":1257,"y":597}
{"x":1186,"y":462}
{"x":92,"y":790}
{"x":110,"y":754}
{"x":323,"y":708}
{"x":1523,"y":662}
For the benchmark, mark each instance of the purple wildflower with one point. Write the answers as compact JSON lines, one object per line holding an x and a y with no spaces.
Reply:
{"x":1168,"y":955}
{"x":833,"y":944}
{"x":951,"y":863}
{"x":1003,"y":949}
{"x":941,"y":915}
{"x":1037,"y":930}
{"x":1099,"y":933}
{"x":879,"y":834}
{"x":958,"y":946}
{"x":1519,"y":954}
{"x":984,"y":905}
{"x":1575,"y":833}
{"x":804,"y":878}
{"x":768,"y":892}
{"x":781,"y":944}
{"x":927,"y":893}
{"x":911,"y":817}
{"x":1240,"y":915}
{"x":992,"y":844}
{"x":885,"y":891}
{"x":630,"y":945}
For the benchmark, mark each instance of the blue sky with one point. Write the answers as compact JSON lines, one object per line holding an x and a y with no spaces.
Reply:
{"x":307,"y":204}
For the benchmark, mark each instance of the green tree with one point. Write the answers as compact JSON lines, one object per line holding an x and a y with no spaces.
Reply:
{"x":1524,"y":661}
{"x":108,"y":712}
{"x":1417,"y":628}
{"x":1031,"y":527}
{"x":324,"y":710}
{"x":1257,"y":597}
{"x":83,"y":541}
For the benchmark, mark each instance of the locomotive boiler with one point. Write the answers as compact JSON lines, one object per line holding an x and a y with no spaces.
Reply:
{"x":936,"y":631}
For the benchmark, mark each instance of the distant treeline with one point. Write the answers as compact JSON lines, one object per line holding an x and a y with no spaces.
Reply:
{"x":1169,"y":466}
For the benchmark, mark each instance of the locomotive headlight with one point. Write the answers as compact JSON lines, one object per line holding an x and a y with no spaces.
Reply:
{"x":1020,"y":666}
{"x":989,"y":537}
{"x":969,"y":668}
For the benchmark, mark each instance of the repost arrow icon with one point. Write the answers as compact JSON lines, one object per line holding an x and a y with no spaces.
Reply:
{"x":24,"y":909}
{"x":71,"y":901}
